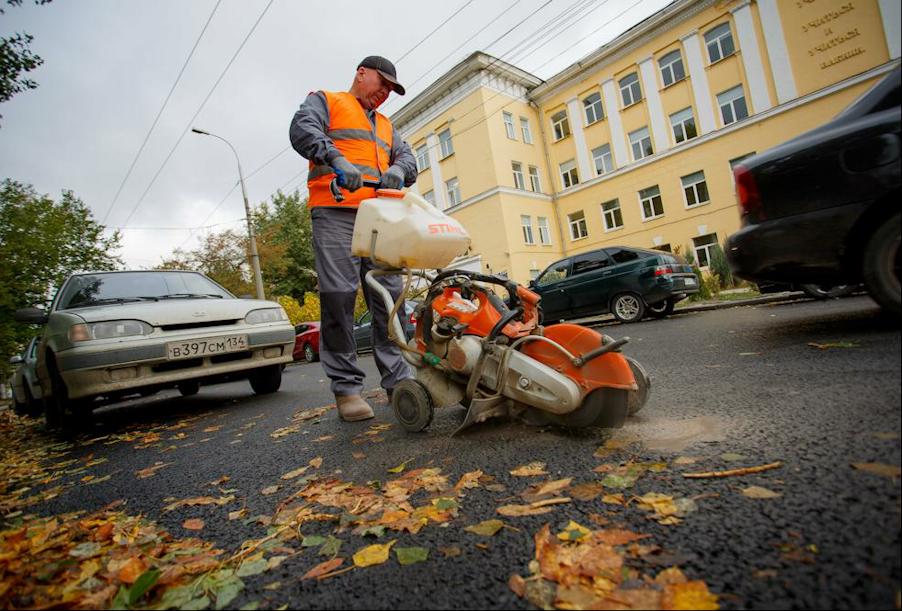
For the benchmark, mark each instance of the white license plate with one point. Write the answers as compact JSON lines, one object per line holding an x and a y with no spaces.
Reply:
{"x":690,"y":281}
{"x":206,"y":347}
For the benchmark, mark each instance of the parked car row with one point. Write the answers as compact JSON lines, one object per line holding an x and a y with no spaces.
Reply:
{"x":111,"y":334}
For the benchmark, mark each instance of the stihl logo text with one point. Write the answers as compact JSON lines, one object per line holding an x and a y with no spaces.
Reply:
{"x":444,"y":228}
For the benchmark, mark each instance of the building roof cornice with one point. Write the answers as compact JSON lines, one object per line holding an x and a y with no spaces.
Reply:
{"x":667,"y":18}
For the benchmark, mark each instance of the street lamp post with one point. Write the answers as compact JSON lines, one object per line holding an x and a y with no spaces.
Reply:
{"x":255,"y":258}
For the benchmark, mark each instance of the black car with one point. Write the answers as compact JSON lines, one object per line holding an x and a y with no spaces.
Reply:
{"x":363,"y":327}
{"x":625,"y":281}
{"x":823,"y":208}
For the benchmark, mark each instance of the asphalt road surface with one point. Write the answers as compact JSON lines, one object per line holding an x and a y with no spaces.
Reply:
{"x":731,"y":389}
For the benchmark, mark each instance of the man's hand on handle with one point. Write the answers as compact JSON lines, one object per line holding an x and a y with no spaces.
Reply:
{"x":349,"y":176}
{"x":393,"y":178}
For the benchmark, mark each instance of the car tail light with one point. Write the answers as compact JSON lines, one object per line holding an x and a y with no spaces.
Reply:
{"x":663,"y":270}
{"x":413,"y":318}
{"x":747,"y":192}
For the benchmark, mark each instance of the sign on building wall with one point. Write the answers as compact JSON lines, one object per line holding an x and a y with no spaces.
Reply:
{"x":831,"y":40}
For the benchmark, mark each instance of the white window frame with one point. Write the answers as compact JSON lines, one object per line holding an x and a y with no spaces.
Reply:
{"x":706,"y":248}
{"x":728,"y":100}
{"x":695,"y":186}
{"x":648,"y":196}
{"x":534,"y":181}
{"x":603,"y":154}
{"x":569,"y":174}
{"x":612,"y":215}
{"x":544,"y":231}
{"x":429,"y":196}
{"x":525,"y":130}
{"x":509,"y":125}
{"x":560,"y":125}
{"x":422,"y":158}
{"x":452,"y":188}
{"x":631,"y":91}
{"x":678,"y":125}
{"x":715,"y":39}
{"x":641,"y":140}
{"x":519,"y":182}
{"x":578,"y":228}
{"x":446,"y":145}
{"x":593,"y":111}
{"x":526,"y":226}
{"x":667,"y":66}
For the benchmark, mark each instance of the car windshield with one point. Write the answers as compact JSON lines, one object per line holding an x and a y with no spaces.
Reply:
{"x":125,"y":287}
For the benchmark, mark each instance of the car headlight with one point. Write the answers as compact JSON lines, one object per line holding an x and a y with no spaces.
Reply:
{"x":256,"y":317}
{"x":108,"y":330}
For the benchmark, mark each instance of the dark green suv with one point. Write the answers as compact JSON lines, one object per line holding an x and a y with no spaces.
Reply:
{"x":625,"y":281}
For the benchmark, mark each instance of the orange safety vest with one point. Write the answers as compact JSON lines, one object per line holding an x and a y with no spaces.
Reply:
{"x":366,"y":147}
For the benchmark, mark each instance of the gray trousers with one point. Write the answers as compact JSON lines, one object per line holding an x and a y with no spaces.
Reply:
{"x":340,"y":274}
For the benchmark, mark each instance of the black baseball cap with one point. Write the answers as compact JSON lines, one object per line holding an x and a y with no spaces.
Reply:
{"x":385,"y":68}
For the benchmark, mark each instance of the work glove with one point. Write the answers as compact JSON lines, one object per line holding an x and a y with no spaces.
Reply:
{"x":349,"y":176}
{"x":392,"y":179}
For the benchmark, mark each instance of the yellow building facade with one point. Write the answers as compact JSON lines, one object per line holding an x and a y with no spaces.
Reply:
{"x":634,"y":145}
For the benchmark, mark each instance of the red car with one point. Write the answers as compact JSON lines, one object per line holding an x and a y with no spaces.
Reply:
{"x":306,"y":341}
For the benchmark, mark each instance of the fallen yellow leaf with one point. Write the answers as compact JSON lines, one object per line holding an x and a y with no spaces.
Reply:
{"x":530,"y":470}
{"x":879,"y":468}
{"x":373,"y":554}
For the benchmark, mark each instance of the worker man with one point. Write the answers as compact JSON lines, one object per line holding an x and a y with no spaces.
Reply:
{"x":342,"y":134}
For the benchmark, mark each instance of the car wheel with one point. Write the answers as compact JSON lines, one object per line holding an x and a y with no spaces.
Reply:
{"x":827,"y":291}
{"x":266,"y":380}
{"x":189,"y":388}
{"x":881,"y":266}
{"x":628,"y":307}
{"x":20,"y":408}
{"x":33,"y":408}
{"x":661,"y":309}
{"x":61,"y":412}
{"x":309,"y":354}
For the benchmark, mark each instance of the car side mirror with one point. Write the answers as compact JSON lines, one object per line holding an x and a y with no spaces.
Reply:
{"x":15,"y":360}
{"x":34,"y":316}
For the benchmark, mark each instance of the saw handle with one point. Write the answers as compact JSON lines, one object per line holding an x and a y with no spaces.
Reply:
{"x":339,"y":181}
{"x":603,"y":349}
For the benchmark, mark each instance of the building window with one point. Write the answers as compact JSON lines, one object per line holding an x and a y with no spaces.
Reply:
{"x":696,"y":189}
{"x":509,"y":125}
{"x":630,"y":90}
{"x":641,"y":144}
{"x":672,"y":69}
{"x":683,"y":125}
{"x":613,"y":219}
{"x":444,"y":141}
{"x":719,"y":41}
{"x":560,"y":125}
{"x":704,"y":248}
{"x":578,"y":229}
{"x":534,"y":183}
{"x":569,"y":175}
{"x":422,"y":158}
{"x":544,"y":231}
{"x":429,"y":196}
{"x":526,"y":224}
{"x":518,"y":175}
{"x":604,"y":163}
{"x":652,"y":205}
{"x":592,"y":107}
{"x":453,"y":188}
{"x":524,"y":129}
{"x":732,"y":105}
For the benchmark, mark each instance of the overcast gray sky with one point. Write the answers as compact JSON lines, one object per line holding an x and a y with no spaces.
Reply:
{"x":109,"y":65}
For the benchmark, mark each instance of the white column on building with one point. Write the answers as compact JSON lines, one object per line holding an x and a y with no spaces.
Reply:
{"x":780,"y":66}
{"x":751,"y":57}
{"x":891,"y":14}
{"x":618,"y":139}
{"x":579,"y":139}
{"x":438,"y":185}
{"x":655,"y":107}
{"x":699,"y":79}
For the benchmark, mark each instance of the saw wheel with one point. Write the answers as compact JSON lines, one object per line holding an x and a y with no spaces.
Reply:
{"x":412,"y":405}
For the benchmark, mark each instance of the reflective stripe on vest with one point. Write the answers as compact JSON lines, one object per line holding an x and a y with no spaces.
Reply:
{"x":365,"y":146}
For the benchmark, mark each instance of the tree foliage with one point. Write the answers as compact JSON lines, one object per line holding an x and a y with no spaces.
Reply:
{"x":16,"y":58}
{"x":41,"y":242}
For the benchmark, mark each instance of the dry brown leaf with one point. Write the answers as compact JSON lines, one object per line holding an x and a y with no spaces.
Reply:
{"x":295,"y":473}
{"x":587,"y":491}
{"x":317,"y":462}
{"x":522,"y":510}
{"x":758,"y":492}
{"x":530,"y":470}
{"x":193,"y":524}
{"x":879,"y":468}
{"x":323,"y":567}
{"x":270,"y":490}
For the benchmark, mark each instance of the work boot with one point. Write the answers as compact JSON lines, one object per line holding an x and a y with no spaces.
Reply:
{"x":352,"y":408}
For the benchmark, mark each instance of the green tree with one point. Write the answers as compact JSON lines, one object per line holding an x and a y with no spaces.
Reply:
{"x":41,"y":242}
{"x":721,"y":267}
{"x":285,"y":243}
{"x":16,"y":59}
{"x":221,"y":256}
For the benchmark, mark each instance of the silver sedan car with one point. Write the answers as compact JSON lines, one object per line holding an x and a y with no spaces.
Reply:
{"x":110,"y":334}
